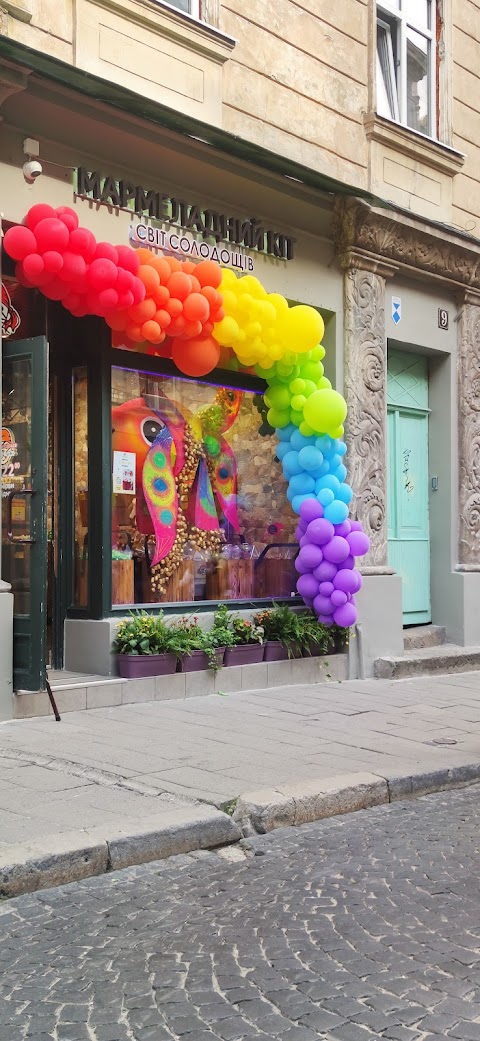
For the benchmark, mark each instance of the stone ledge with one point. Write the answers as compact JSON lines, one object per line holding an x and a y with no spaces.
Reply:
{"x":168,"y":22}
{"x":416,"y":146}
{"x":21,"y":9}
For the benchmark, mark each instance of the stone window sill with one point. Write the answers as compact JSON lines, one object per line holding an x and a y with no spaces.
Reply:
{"x":21,"y":9}
{"x":167,"y":21}
{"x":423,"y":149}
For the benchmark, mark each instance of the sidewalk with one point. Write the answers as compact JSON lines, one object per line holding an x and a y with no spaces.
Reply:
{"x":111,"y":773}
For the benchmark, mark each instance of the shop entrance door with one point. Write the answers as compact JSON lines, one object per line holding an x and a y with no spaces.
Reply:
{"x":408,"y":513}
{"x":24,"y":503}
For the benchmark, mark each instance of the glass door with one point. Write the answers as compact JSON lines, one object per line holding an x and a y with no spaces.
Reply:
{"x":24,"y":503}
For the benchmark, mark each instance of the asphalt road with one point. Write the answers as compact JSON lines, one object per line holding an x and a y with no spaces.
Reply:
{"x":366,"y":926}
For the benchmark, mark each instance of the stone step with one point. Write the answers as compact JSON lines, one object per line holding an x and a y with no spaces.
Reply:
{"x":424,"y":636}
{"x":427,"y":661}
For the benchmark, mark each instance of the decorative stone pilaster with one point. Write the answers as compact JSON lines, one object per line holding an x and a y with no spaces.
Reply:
{"x":468,"y":396}
{"x":365,"y":379}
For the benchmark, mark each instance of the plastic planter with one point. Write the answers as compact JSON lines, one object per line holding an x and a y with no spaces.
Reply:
{"x":198,"y":660}
{"x":244,"y":654}
{"x":137,"y":666}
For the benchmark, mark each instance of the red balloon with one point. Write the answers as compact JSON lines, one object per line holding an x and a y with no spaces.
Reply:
{"x":177,"y":326}
{"x":55,"y":290}
{"x":108,"y":299}
{"x":125,"y":300}
{"x":196,"y":308}
{"x":33,"y":267}
{"x":19,"y":242}
{"x":128,"y":259}
{"x":39,"y":212}
{"x":138,"y":290}
{"x":102,"y":274}
{"x":51,"y":234}
{"x":196,"y":357}
{"x":125,"y":280}
{"x":68,"y":216}
{"x":21,"y":276}
{"x":53,"y":262}
{"x":106,"y":252}
{"x":82,"y":241}
{"x":74,"y":267}
{"x":209,"y":273}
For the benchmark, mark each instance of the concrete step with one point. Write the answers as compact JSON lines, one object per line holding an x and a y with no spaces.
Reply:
{"x":427,"y":661}
{"x":424,"y":636}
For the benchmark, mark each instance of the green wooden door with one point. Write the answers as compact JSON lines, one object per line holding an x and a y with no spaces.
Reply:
{"x":24,"y":503}
{"x":408,"y":518}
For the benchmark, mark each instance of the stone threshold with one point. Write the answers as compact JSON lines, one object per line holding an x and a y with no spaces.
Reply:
{"x":74,"y":692}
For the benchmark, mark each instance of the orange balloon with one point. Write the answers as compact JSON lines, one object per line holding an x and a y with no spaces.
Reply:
{"x":192,"y":330}
{"x":212,"y":296}
{"x":196,"y":287}
{"x":142,"y":312}
{"x":174,"y":307}
{"x":196,"y":308}
{"x":162,"y":267}
{"x":134,"y":331}
{"x":163,"y":318}
{"x":117,"y":320}
{"x":196,"y":357}
{"x":209,"y":273}
{"x":177,"y":326}
{"x":174,"y":264}
{"x":207,"y":328}
{"x":149,"y":277}
{"x":161,"y":296}
{"x":179,"y":285}
{"x":188,"y":267}
{"x":218,"y":315}
{"x":152,"y":332}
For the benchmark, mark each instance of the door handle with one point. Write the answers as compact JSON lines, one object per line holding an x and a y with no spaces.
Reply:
{"x":24,"y":540}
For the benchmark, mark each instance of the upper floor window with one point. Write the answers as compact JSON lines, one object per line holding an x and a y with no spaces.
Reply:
{"x":188,"y":6}
{"x":406,"y":63}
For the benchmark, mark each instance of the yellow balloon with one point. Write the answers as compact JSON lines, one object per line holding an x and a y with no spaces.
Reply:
{"x":226,"y":331}
{"x":229,"y":280}
{"x":303,"y":328}
{"x":250,"y":284}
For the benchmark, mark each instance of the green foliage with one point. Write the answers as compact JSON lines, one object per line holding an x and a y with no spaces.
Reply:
{"x":282,"y":624}
{"x":144,"y":633}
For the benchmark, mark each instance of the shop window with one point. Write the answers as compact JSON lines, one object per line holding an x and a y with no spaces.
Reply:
{"x":80,"y":486}
{"x":199,"y":507}
{"x":406,"y":63}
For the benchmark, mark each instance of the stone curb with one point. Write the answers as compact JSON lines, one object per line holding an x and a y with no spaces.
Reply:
{"x":262,"y":811}
{"x":75,"y":855}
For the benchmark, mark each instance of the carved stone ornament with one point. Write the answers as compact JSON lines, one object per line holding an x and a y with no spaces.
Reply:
{"x":416,"y":247}
{"x":469,"y":433}
{"x":365,"y":391}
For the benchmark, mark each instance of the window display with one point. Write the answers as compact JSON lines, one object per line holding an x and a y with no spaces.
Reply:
{"x":199,"y":509}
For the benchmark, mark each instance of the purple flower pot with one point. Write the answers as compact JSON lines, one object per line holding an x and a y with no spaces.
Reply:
{"x":275,"y":651}
{"x":197,"y":660}
{"x":137,"y":666}
{"x":244,"y":654}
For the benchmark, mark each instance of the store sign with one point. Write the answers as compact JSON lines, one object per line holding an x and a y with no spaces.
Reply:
{"x":10,"y":317}
{"x":154,"y":238}
{"x":209,"y":224}
{"x":10,"y":461}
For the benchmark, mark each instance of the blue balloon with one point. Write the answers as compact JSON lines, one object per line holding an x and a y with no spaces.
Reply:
{"x":329,"y":481}
{"x":291,"y":464}
{"x":345,"y":493}
{"x":285,"y":433}
{"x":297,"y":502}
{"x":340,"y":473}
{"x":320,"y":471}
{"x":335,"y":461}
{"x":340,"y":447}
{"x":282,"y":449}
{"x":337,"y":512}
{"x":298,"y":441}
{"x":325,"y":444}
{"x":310,"y":458}
{"x":325,"y":496}
{"x":300,"y":484}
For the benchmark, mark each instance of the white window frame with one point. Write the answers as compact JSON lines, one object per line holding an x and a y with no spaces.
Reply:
{"x":194,"y":8}
{"x":389,"y":17}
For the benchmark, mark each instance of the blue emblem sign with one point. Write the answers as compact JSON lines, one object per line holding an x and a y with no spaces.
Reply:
{"x":396,"y":309}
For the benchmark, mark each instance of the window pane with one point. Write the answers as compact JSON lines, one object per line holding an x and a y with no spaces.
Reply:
{"x":387,"y":100}
{"x":418,"y":49}
{"x":418,"y":12}
{"x":183,"y":5}
{"x":199,"y":507}
{"x":16,"y":475}
{"x":80,"y":486}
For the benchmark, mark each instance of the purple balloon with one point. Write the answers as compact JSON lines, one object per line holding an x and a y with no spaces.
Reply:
{"x":326,"y":571}
{"x":301,"y":568}
{"x":304,"y":541}
{"x":299,"y":532}
{"x":307,"y":585}
{"x":338,"y":598}
{"x":349,"y":563}
{"x":359,"y":543}
{"x":345,"y":616}
{"x":310,"y":509}
{"x":308,"y":601}
{"x":309,"y":557}
{"x":346,"y":580}
{"x":323,"y":605}
{"x":356,"y":526}
{"x":320,"y":531}
{"x":343,"y":529}
{"x":326,"y":588}
{"x":325,"y":619}
{"x":336,"y":550}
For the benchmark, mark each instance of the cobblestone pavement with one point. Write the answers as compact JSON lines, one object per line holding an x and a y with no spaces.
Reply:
{"x":365,"y":926}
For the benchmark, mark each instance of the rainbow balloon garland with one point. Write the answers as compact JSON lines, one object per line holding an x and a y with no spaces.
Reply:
{"x":202,"y":316}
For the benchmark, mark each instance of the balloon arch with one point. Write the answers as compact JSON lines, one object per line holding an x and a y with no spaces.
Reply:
{"x":203,"y":316}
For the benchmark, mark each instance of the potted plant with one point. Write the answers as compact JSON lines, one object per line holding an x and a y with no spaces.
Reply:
{"x":246,"y":647}
{"x":199,"y":650}
{"x":282,"y":632}
{"x":316,"y":639}
{"x":146,"y":646}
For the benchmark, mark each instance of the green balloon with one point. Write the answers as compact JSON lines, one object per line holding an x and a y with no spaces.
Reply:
{"x":296,"y":417}
{"x":278,"y":418}
{"x":325,"y":410}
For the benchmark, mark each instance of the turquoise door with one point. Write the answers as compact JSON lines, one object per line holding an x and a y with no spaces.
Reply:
{"x":407,"y":480}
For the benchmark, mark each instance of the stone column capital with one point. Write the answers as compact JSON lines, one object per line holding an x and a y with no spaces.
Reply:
{"x":362,"y":260}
